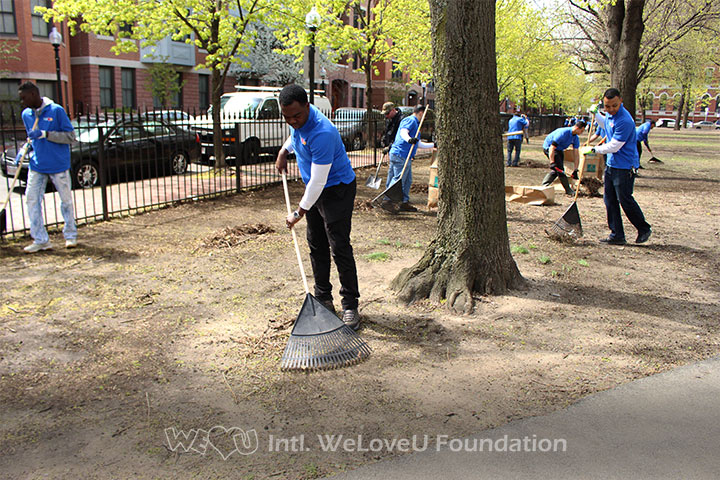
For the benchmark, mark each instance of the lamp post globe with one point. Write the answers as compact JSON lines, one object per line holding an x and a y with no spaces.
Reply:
{"x":312,"y":21}
{"x":56,"y":40}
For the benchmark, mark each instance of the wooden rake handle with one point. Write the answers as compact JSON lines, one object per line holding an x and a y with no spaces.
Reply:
{"x":19,"y":167}
{"x":294,"y":235}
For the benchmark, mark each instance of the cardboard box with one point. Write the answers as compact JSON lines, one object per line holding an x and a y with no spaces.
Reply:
{"x":531,"y":195}
{"x":433,"y":187}
{"x":594,"y":164}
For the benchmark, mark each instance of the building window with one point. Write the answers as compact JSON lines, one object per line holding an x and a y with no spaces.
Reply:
{"x":396,"y":72}
{"x":107,"y":87}
{"x":664,"y":100}
{"x":7,"y":17}
{"x":9,"y":96}
{"x":177,"y":95}
{"x":354,"y":97}
{"x":361,"y":97}
{"x":204,"y":91}
{"x":127,"y":80}
{"x":125,"y":30}
{"x":47,"y":88}
{"x":40,"y":28}
{"x":717,"y":104}
{"x":709,"y":72}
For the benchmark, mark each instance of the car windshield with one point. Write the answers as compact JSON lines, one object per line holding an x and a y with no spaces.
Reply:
{"x":239,"y":104}
{"x":92,"y":134}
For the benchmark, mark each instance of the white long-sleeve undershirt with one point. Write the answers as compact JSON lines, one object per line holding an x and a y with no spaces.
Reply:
{"x":313,"y":189}
{"x":405,"y":135}
{"x":609,"y":147}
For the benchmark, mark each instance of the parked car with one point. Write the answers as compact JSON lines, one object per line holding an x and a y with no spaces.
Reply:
{"x":352,"y":123}
{"x":174,"y":117}
{"x":256,"y":112}
{"x":670,"y":123}
{"x":717,"y":125}
{"x":705,"y":124}
{"x":130,"y":145}
{"x":427,"y":132}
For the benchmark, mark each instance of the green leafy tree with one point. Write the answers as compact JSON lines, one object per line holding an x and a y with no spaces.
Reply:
{"x":220,"y":27}
{"x":163,"y":82}
{"x":628,"y":39}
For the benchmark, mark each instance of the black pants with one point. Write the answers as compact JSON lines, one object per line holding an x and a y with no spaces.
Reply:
{"x":329,"y":222}
{"x":557,"y":170}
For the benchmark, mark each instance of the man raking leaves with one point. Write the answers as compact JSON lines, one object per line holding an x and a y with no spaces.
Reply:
{"x":327,"y":204}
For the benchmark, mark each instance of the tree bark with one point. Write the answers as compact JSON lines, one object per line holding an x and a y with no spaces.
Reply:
{"x":680,"y":107}
{"x":625,"y":29}
{"x":470,"y":254}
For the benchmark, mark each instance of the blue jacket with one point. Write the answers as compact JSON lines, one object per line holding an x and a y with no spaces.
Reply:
{"x":319,"y":142}
{"x":562,"y":138}
{"x":400,"y":147}
{"x":642,"y":131}
{"x":50,"y":157}
{"x":621,"y":127}
{"x":517,"y":123}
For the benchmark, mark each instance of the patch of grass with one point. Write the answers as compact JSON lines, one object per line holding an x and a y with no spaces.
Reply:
{"x":519,"y":249}
{"x":311,"y":470}
{"x":544,"y":259}
{"x":377,"y":257}
{"x":583,"y":262}
{"x":532,"y":246}
{"x":384,"y":241}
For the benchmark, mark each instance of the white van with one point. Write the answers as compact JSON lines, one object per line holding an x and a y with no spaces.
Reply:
{"x":256,"y":111}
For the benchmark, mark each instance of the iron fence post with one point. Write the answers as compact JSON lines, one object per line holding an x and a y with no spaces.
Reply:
{"x":101,"y":172}
{"x":238,"y":158}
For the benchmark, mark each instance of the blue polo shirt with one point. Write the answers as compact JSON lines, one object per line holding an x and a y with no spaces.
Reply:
{"x":319,"y":142}
{"x":562,"y":138}
{"x":642,"y":131}
{"x":517,"y":123}
{"x":50,"y":157}
{"x":400,"y":147}
{"x":621,"y":127}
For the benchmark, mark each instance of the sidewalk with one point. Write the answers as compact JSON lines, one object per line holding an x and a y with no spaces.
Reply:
{"x":662,"y":427}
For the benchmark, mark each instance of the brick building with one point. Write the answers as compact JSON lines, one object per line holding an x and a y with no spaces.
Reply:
{"x":93,"y":77}
{"x":663,"y":102}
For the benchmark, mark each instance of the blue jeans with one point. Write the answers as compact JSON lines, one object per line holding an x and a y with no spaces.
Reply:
{"x":395,"y":169}
{"x":517,"y":145}
{"x":619,"y":185}
{"x":35,"y":192}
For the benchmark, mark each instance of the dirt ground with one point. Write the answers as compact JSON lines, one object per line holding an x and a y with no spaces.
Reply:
{"x":177,"y":319}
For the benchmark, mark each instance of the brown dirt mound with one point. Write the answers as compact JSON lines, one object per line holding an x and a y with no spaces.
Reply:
{"x":591,"y":186}
{"x":419,"y":188}
{"x":363,"y":205}
{"x":233,"y":236}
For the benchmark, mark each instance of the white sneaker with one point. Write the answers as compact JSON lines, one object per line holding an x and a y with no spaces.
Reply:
{"x":36,"y":247}
{"x":71,"y":243}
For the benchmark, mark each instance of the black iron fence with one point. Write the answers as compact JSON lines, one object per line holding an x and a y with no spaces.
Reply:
{"x":126,"y":163}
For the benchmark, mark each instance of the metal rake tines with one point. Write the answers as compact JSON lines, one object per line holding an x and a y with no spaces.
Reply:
{"x":339,"y":348}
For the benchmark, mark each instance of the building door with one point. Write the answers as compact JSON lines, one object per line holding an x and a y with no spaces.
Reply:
{"x":339,"y":94}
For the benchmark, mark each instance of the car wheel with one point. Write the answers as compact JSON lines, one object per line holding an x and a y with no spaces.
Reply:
{"x":86,"y":175}
{"x":251,"y":151}
{"x":179,"y":163}
{"x":358,"y":143}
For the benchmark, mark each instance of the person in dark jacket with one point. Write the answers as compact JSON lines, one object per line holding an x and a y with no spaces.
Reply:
{"x":393,"y":116}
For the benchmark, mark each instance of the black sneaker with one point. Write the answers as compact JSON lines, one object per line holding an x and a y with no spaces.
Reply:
{"x":407,"y":207}
{"x":351,"y":318}
{"x":613,"y":241}
{"x":389,"y":206}
{"x":643,"y":237}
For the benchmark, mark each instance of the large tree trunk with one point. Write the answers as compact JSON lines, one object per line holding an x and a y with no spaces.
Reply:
{"x":680,"y":107}
{"x":470,"y":254}
{"x":625,"y":30}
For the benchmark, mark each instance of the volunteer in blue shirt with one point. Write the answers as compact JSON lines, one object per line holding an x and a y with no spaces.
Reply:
{"x":328,"y":200}
{"x":518,"y":123}
{"x":554,"y":148}
{"x":622,"y":160}
{"x":405,"y":142}
{"x":51,"y":140}
{"x":642,"y":136}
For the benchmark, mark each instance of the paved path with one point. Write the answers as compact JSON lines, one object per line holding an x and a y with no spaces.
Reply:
{"x":662,"y":427}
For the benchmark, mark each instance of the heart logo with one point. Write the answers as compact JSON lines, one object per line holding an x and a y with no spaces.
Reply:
{"x":226,"y":441}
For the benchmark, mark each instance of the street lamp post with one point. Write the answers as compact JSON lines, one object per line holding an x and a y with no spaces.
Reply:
{"x":424,"y":87}
{"x":56,"y":40}
{"x":312,"y":20}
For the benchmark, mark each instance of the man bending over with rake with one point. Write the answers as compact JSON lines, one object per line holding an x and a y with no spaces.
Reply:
{"x":328,"y":200}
